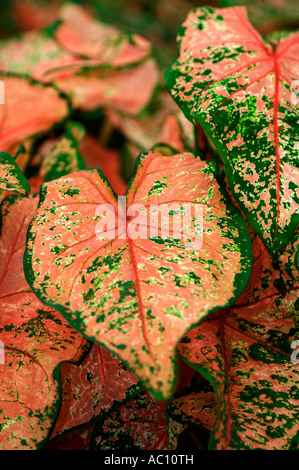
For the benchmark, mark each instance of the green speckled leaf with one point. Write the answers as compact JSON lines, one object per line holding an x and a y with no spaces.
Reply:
{"x":65,"y":157}
{"x":245,"y":352}
{"x":36,"y":339}
{"x":138,"y":296}
{"x":11,"y":177}
{"x":139,"y":424}
{"x":240,"y":88}
{"x":268,"y":14}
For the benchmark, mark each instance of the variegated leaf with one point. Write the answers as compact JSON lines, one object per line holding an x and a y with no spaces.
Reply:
{"x":195,"y":405}
{"x":241,"y":89}
{"x":138,"y":294}
{"x":246,"y":353}
{"x":95,"y":155}
{"x":11,"y":177}
{"x":35,"y":338}
{"x":93,"y":389}
{"x":139,"y":424}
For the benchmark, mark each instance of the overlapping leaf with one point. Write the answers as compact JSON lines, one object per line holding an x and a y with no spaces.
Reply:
{"x":245,"y":352}
{"x":95,"y":155}
{"x":36,"y":339}
{"x":30,"y":108}
{"x":95,"y":66}
{"x":84,"y":36}
{"x":65,"y":157}
{"x":139,"y":424}
{"x":240,"y":88}
{"x":268,"y":14}
{"x":166,"y":125}
{"x":32,"y":14}
{"x":195,"y":405}
{"x":137,"y":296}
{"x":11,"y":177}
{"x":90,"y":391}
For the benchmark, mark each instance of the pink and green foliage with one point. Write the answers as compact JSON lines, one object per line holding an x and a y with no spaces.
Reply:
{"x":126,"y":294}
{"x":36,"y":338}
{"x":140,"y":424}
{"x":11,"y":177}
{"x":90,"y":391}
{"x":238,"y":86}
{"x":133,"y":324}
{"x":195,"y":405}
{"x":94,"y":64}
{"x":30,"y":108}
{"x":245,"y":352}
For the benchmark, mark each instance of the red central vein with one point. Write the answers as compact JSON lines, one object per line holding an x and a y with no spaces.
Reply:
{"x":138,"y":289}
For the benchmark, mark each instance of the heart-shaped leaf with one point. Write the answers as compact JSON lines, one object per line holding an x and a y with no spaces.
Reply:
{"x":30,"y":108}
{"x":239,"y":88}
{"x":93,"y":389}
{"x":11,"y":177}
{"x":36,"y":339}
{"x":138,"y":294}
{"x":246,"y":353}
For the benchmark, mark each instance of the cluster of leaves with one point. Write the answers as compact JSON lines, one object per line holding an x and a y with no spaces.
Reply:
{"x":128,"y":343}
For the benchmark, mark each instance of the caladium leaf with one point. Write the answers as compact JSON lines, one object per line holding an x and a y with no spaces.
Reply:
{"x":139,"y":424}
{"x":90,"y":391}
{"x":11,"y":177}
{"x":30,"y":108}
{"x":65,"y":157}
{"x":137,"y":295}
{"x":84,"y":36}
{"x":36,"y":339}
{"x":238,"y":86}
{"x":245,"y":352}
{"x":35,"y":53}
{"x":195,"y":405}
